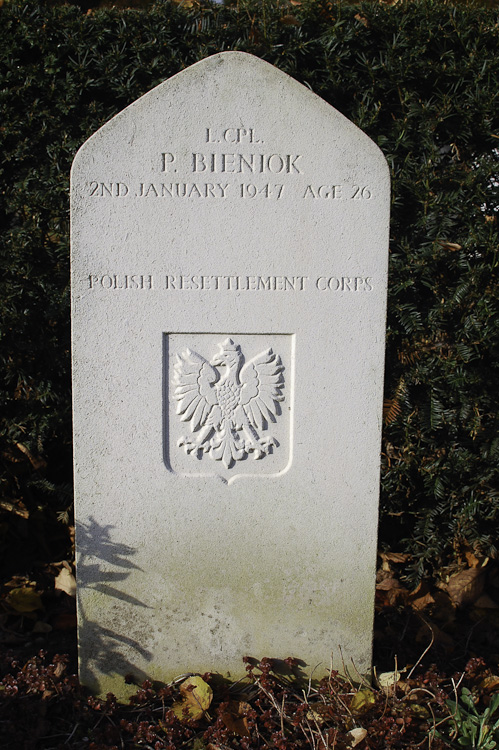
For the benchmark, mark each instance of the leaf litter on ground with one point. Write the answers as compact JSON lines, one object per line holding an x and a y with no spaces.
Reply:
{"x":272,"y":708}
{"x":429,"y":642}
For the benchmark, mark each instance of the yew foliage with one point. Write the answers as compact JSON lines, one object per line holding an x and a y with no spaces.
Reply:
{"x":421,"y":80}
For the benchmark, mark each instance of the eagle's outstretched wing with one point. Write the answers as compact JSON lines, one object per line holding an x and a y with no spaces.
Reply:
{"x":194,"y":379}
{"x":262,"y":383}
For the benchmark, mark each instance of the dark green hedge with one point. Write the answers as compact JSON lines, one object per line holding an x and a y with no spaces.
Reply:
{"x":422,"y":80}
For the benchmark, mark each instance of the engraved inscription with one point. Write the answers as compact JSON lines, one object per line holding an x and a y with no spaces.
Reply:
{"x":111,"y":189}
{"x":228,"y":403}
{"x":339,"y":192}
{"x":167,"y":162}
{"x":207,"y":165}
{"x":247,"y":163}
{"x":232,"y":135}
{"x":267,"y":191}
{"x":182,"y":190}
{"x":344,"y":284}
{"x":362,"y":192}
{"x":221,"y":283}
{"x":120,"y":281}
{"x":194,"y":190}
{"x":237,"y":283}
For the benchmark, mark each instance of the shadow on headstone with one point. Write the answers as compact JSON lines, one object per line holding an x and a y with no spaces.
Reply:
{"x":101,"y":564}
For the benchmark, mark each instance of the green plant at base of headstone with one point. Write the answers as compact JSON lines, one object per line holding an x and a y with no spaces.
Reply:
{"x":472,"y":730}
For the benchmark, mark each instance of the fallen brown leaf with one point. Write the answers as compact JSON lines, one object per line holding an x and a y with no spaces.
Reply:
{"x":389,"y":583}
{"x":19,"y":582}
{"x":490,"y":683}
{"x":354,"y":736}
{"x":465,"y":587}
{"x":16,"y":507}
{"x":362,"y":701}
{"x":196,"y":699}
{"x":289,"y":20}
{"x":390,"y":592}
{"x":448,"y":245}
{"x":24,"y":600}
{"x":384,"y":572}
{"x":362,"y":19}
{"x":421,"y":597}
{"x":234,"y":718}
{"x":66,"y":582}
{"x":36,"y":461}
{"x":396,"y":557}
{"x":472,"y":560}
{"x":388,"y":680}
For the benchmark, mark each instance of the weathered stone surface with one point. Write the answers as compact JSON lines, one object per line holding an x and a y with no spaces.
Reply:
{"x":229,"y":262}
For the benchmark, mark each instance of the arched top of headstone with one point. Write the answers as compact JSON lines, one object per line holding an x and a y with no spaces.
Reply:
{"x":235,"y":90}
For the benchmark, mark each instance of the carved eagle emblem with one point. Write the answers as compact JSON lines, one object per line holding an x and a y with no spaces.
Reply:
{"x":228,"y":403}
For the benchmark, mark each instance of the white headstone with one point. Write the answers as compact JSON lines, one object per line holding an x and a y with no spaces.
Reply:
{"x":229,"y":267}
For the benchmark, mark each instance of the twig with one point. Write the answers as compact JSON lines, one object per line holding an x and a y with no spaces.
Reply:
{"x":282,"y":714}
{"x":310,"y":678}
{"x":420,"y":690}
{"x":363,"y":680}
{"x":451,"y":716}
{"x":71,"y":735}
{"x":314,"y":745}
{"x":324,"y":741}
{"x":304,"y":732}
{"x":468,"y":639}
{"x":261,"y":737}
{"x":180,"y":678}
{"x":431,"y":734}
{"x":309,"y":686}
{"x":401,"y":637}
{"x":276,"y":705}
{"x":386,"y":704}
{"x":343,"y":704}
{"x":425,"y":651}
{"x":347,"y":676}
